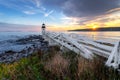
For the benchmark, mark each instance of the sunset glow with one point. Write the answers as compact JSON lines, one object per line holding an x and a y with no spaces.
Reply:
{"x":94,"y":27}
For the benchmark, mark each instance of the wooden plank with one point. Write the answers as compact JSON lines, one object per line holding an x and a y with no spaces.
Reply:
{"x":98,"y":51}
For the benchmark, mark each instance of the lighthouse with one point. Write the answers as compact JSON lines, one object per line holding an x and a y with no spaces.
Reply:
{"x":43,"y":29}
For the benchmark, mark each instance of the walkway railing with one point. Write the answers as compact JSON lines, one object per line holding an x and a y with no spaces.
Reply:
{"x":87,"y":47}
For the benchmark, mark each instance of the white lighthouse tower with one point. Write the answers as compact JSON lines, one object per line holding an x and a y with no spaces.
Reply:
{"x":43,"y":29}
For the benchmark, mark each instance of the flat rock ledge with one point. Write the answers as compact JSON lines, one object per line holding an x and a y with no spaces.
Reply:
{"x":36,"y":43}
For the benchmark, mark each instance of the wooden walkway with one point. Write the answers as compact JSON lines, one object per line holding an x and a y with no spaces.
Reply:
{"x":87,"y":47}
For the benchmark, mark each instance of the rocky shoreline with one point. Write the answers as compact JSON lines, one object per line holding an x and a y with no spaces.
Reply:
{"x":35,"y":42}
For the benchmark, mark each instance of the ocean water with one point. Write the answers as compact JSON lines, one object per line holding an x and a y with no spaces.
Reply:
{"x":101,"y":35}
{"x":96,"y":35}
{"x":5,"y":37}
{"x":15,"y":35}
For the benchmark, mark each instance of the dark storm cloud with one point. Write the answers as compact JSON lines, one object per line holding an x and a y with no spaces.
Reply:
{"x":85,"y":8}
{"x":82,"y":8}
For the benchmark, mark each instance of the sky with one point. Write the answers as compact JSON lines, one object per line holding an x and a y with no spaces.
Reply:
{"x":58,"y":15}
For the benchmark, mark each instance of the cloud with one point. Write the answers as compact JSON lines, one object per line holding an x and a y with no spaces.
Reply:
{"x":2,"y":24}
{"x":54,"y":4}
{"x":29,"y":7}
{"x":70,"y":20}
{"x":86,"y":8}
{"x":79,"y":12}
{"x":37,"y":3}
{"x":86,"y":13}
{"x":18,"y":27}
{"x":49,"y":13}
{"x":111,"y":18}
{"x":82,"y":8}
{"x":107,"y":20}
{"x":29,"y":12}
{"x":113,"y":10}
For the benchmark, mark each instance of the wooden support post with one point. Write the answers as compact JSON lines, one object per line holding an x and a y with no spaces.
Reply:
{"x":114,"y":58}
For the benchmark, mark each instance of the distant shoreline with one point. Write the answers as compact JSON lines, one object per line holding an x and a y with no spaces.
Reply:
{"x":99,"y":29}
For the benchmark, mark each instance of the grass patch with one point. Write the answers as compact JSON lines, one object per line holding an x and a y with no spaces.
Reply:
{"x":54,"y":65}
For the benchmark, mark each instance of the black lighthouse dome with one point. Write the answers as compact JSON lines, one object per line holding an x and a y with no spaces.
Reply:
{"x":43,"y":25}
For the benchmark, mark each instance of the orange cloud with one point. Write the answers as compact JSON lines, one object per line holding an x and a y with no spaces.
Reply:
{"x":109,"y":19}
